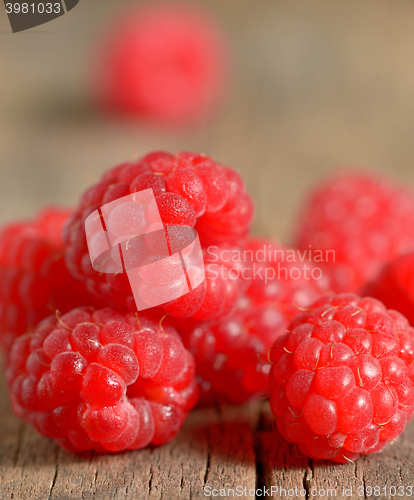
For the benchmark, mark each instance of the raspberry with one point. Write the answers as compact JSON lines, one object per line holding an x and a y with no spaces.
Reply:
{"x":231,"y":354}
{"x":134,"y":387}
{"x":33,"y":275}
{"x":166,"y":63}
{"x":342,"y":379}
{"x":395,"y":286}
{"x":283,"y":277}
{"x":193,"y":191}
{"x":365,"y":219}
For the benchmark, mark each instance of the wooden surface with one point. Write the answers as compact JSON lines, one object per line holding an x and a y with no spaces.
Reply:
{"x":316,"y":83}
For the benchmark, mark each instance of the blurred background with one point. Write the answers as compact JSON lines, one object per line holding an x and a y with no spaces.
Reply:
{"x":315,"y":85}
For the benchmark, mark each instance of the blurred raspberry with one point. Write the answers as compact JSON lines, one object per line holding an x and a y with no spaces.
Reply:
{"x":190,"y":190}
{"x":99,"y":380}
{"x":33,"y":275}
{"x":359,"y":222}
{"x":283,"y":276}
{"x":395,"y":286}
{"x":163,"y":61}
{"x":232,"y":353}
{"x":342,"y":379}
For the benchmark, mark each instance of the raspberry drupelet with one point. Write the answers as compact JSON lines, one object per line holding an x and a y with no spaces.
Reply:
{"x":33,"y":275}
{"x":342,"y":378}
{"x":190,"y":190}
{"x":232,"y":353}
{"x":99,"y":380}
{"x":161,"y":61}
{"x":359,"y":221}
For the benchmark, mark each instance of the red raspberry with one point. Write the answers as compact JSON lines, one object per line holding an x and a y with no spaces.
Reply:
{"x":395,"y":286}
{"x":191,"y":190}
{"x":167,"y":63}
{"x":232,"y":354}
{"x":365,"y":219}
{"x":101,"y":380}
{"x":283,"y":276}
{"x":342,"y":379}
{"x":33,"y":275}
{"x":217,"y":297}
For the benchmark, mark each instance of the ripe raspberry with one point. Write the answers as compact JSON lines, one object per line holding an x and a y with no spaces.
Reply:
{"x":232,"y":354}
{"x":167,"y":63}
{"x":100,"y":380}
{"x":190,"y":190}
{"x":216,"y":298}
{"x":33,"y":275}
{"x":395,"y":286}
{"x":342,"y":379}
{"x":283,"y":276}
{"x":365,"y":219}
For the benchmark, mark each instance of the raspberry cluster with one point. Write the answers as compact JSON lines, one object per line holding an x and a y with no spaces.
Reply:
{"x":101,"y":380}
{"x":33,"y":275}
{"x":342,"y":378}
{"x":339,"y":368}
{"x":359,"y":221}
{"x":190,"y":190}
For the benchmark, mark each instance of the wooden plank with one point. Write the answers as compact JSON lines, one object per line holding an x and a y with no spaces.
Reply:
{"x":232,"y":460}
